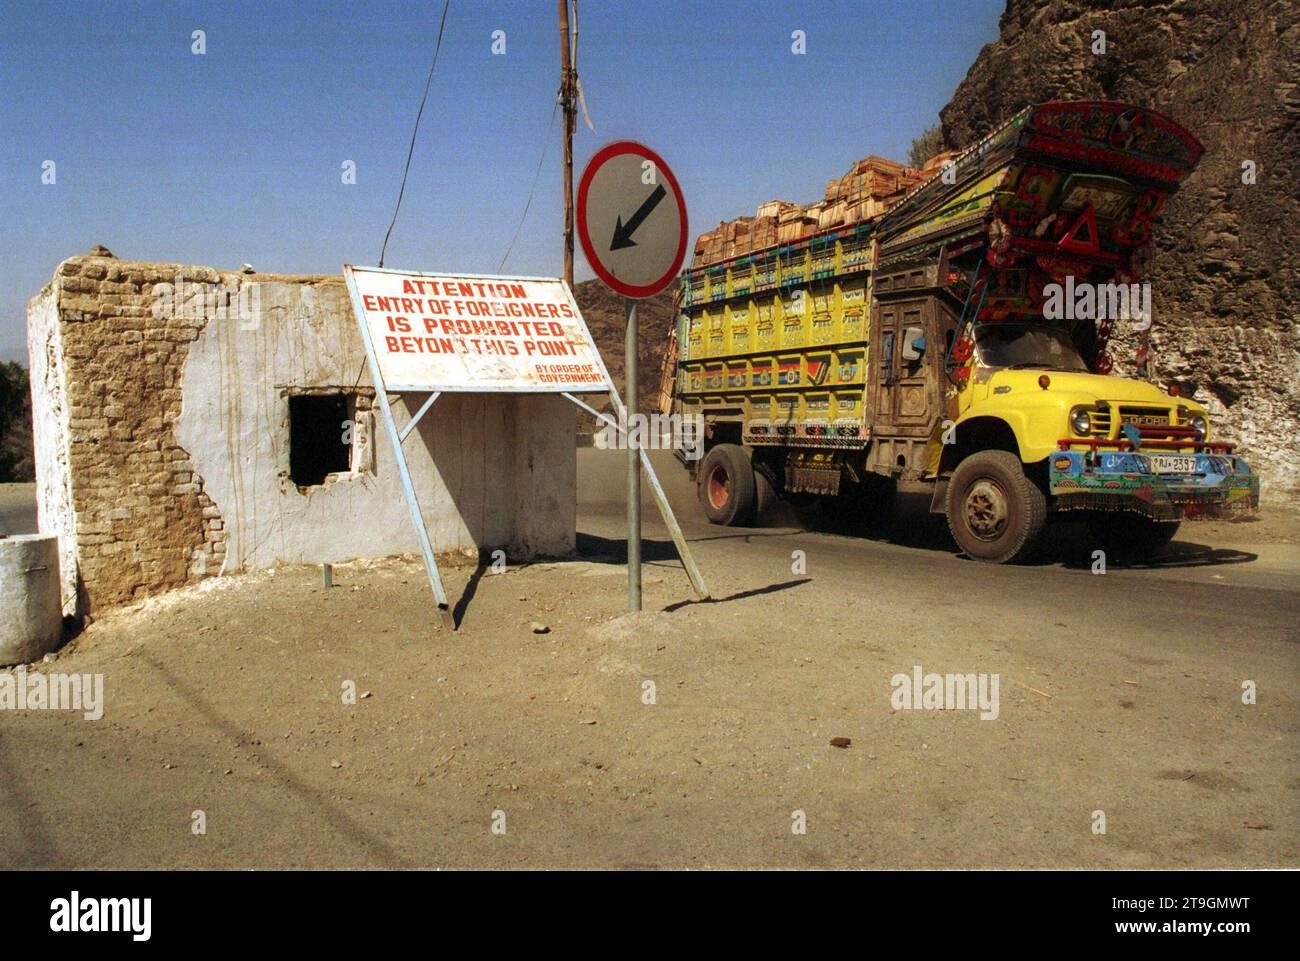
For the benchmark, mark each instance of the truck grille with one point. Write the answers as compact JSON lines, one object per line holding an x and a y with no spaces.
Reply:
{"x":1101,"y":422}
{"x":1150,"y":419}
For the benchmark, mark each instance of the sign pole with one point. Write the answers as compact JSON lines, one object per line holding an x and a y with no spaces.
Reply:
{"x":633,"y":463}
{"x":631,"y":219}
{"x":413,"y":505}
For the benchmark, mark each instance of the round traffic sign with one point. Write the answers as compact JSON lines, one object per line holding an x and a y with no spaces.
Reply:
{"x":632,"y":219}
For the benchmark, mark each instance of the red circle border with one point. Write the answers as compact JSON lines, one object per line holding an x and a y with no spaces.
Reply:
{"x":606,"y":153}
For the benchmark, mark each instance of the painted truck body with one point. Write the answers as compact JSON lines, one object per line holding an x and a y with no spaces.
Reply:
{"x":951,"y":342}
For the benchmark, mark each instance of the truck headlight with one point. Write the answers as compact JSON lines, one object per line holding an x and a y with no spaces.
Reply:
{"x":1081,"y":422}
{"x":1197,"y":422}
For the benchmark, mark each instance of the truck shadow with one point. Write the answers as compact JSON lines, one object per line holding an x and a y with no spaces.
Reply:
{"x":611,"y":550}
{"x":1066,"y":543}
{"x":908,"y":524}
{"x":1077,"y":554}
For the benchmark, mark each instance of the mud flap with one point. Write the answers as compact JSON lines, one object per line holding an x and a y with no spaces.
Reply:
{"x":940,"y":496}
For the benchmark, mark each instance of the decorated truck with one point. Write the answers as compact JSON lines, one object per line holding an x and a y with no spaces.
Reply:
{"x":957,"y":335}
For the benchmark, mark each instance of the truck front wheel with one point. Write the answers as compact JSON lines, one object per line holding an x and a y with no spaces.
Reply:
{"x":727,"y":485}
{"x":995,"y":512}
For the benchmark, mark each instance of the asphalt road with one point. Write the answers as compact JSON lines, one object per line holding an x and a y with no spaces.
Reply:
{"x":919,"y":545}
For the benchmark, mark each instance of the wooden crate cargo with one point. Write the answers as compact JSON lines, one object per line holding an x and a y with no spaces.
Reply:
{"x":880,"y":165}
{"x":706,"y":247}
{"x":737,"y":236}
{"x":796,"y":229}
{"x":709,"y":248}
{"x":831,"y":213}
{"x":774,"y":208}
{"x":857,"y":186}
{"x":764,"y":234}
{"x":735,"y":228}
{"x":869,"y":209}
{"x":933,"y":165}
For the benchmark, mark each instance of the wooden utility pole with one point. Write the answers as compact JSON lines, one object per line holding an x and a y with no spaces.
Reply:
{"x":568,"y":102}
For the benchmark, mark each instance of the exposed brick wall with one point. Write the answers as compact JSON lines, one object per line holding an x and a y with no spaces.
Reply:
{"x":143,"y":521}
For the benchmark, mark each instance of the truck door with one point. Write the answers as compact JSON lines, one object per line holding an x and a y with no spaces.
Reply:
{"x":905,"y":369}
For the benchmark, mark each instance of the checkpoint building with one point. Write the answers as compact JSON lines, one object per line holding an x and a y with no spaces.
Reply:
{"x":191,"y":421}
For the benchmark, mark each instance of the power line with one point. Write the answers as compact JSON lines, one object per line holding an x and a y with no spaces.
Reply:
{"x":536,"y":175}
{"x":411,"y":150}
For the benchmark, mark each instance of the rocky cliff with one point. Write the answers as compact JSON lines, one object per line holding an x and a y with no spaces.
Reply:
{"x":603,"y":311}
{"x":1225,"y":281}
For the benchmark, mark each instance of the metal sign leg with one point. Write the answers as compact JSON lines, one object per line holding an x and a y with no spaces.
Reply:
{"x":412,"y":502}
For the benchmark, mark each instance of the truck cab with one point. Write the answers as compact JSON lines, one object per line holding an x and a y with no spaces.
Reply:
{"x":1128,"y":457}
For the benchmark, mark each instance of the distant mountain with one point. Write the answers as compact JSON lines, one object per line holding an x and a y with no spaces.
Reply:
{"x":603,"y":311}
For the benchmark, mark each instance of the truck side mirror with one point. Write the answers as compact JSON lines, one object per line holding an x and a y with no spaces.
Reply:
{"x":913,"y":343}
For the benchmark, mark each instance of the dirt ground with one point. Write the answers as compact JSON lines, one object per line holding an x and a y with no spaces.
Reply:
{"x":1118,"y":693}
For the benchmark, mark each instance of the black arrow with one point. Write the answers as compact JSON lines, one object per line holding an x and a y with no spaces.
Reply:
{"x":623,"y":233}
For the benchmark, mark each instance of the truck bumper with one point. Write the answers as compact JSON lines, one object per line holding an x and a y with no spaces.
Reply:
{"x":1221,"y":485}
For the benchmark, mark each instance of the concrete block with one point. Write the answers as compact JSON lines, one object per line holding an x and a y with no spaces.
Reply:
{"x":31,"y":611}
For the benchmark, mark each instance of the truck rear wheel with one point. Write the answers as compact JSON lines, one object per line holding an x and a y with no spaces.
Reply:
{"x":727,"y":485}
{"x":995,"y":512}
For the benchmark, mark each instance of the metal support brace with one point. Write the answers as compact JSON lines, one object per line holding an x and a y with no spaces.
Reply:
{"x":670,"y":521}
{"x":418,"y":414}
{"x":417,"y":518}
{"x":412,"y":502}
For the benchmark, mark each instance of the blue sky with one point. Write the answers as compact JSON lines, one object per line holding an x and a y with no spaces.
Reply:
{"x":235,"y":156}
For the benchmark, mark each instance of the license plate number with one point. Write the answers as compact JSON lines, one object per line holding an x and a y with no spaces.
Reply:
{"x":1168,"y":464}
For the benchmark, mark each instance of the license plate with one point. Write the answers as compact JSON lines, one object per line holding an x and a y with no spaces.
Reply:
{"x":1169,"y":464}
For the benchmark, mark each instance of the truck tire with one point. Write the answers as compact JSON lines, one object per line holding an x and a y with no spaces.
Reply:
{"x":727,"y":485}
{"x":995,"y":512}
{"x":1130,"y":535}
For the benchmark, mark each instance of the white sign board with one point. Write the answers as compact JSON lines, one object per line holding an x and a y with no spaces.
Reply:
{"x":444,"y":332}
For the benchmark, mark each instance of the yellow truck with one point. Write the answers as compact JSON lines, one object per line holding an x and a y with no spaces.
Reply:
{"x":959,"y":338}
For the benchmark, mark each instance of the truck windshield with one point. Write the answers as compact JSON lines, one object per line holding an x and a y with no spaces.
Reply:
{"x":1021,"y":345}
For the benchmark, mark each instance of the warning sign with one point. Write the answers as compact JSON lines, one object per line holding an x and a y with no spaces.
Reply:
{"x":440,"y":332}
{"x":631,"y":219}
